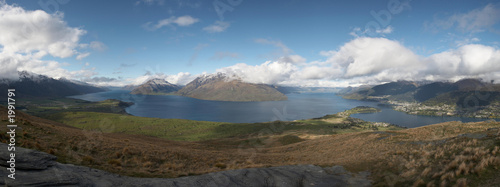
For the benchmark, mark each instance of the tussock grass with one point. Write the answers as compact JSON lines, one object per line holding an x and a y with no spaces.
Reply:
{"x":433,"y":155}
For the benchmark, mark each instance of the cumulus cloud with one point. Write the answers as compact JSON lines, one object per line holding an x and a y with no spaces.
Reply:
{"x":378,"y":60}
{"x":266,"y":73}
{"x":469,"y":60}
{"x":218,"y":26}
{"x":375,"y":60}
{"x":26,"y":31}
{"x":27,"y":36}
{"x":476,"y":20}
{"x":363,"y":56}
{"x":182,"y":21}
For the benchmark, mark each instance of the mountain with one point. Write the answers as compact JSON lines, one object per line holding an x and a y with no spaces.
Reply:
{"x":155,"y":86}
{"x":34,"y":85}
{"x":470,"y":84}
{"x":393,"y":88}
{"x":431,"y":93}
{"x":432,"y":90}
{"x":222,"y":87}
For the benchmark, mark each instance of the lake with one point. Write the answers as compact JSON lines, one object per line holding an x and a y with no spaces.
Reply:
{"x":298,"y":106}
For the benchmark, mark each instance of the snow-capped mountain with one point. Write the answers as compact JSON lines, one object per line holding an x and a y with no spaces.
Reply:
{"x":155,"y":86}
{"x":223,"y":87}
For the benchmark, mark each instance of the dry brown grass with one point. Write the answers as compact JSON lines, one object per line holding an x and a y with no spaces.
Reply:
{"x":411,"y":157}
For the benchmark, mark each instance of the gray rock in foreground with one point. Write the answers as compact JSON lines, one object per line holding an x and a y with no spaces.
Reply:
{"x":34,"y":168}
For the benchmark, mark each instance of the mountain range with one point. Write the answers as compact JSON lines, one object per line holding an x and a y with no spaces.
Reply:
{"x":452,"y":93}
{"x":30,"y":85}
{"x":219,"y":87}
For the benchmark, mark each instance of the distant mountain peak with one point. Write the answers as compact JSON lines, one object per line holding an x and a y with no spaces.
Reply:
{"x":158,"y":81}
{"x":155,"y":86}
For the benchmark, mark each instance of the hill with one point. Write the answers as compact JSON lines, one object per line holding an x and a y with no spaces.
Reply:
{"x":31,"y":85}
{"x":155,"y":87}
{"x":221,"y":87}
{"x":449,"y":153}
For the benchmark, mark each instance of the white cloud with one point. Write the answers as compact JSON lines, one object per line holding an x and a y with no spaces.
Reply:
{"x":363,"y":56}
{"x":468,"y":60}
{"x":294,"y":59}
{"x":375,"y":60}
{"x":476,"y":20}
{"x":266,"y":73}
{"x":218,"y":26}
{"x":185,"y":21}
{"x":12,"y":63}
{"x":27,"y":36}
{"x":387,"y":30}
{"x":25,"y":31}
{"x":82,"y":56}
{"x":182,"y":21}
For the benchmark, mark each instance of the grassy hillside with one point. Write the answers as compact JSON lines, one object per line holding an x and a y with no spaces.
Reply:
{"x":190,"y":130}
{"x":447,"y":154}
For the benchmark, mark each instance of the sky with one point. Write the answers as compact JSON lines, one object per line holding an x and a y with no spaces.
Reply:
{"x":280,"y":42}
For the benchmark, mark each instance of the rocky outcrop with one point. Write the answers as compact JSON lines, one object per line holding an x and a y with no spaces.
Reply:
{"x":34,"y":168}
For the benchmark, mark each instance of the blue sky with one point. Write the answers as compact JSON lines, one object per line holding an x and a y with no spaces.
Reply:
{"x":294,"y":42}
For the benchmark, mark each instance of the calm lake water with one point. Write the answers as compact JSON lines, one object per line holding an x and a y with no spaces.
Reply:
{"x":298,"y":106}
